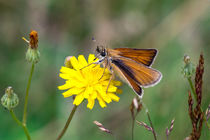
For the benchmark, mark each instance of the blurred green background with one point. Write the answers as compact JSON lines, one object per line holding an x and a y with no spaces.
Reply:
{"x":65,"y":29}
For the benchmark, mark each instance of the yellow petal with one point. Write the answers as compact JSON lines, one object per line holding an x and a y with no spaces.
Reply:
{"x":107,"y":99}
{"x":94,"y":95}
{"x":113,"y":97}
{"x":82,"y":61}
{"x":101,"y":102}
{"x":77,"y":83}
{"x":112,"y":88}
{"x":79,"y":98}
{"x":74,"y":63}
{"x":91,"y":58}
{"x":65,"y":76}
{"x":67,"y":70}
{"x":88,"y":91}
{"x":72,"y":91}
{"x":67,"y":85}
{"x":90,"y":103}
{"x":104,"y":96}
{"x":117,"y":83}
{"x":106,"y":78}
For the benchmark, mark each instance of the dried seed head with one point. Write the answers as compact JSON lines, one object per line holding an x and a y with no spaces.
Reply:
{"x":139,"y":107}
{"x":172,"y":125}
{"x":196,"y":115}
{"x":101,"y":127}
{"x":200,"y":124}
{"x":135,"y":107}
{"x":135,"y":103}
{"x":190,"y":104}
{"x":132,"y":110}
{"x":98,"y":123}
{"x":145,"y":125}
{"x":168,"y":131}
{"x":198,"y":79}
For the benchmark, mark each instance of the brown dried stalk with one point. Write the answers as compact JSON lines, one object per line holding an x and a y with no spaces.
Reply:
{"x":145,"y":126}
{"x":168,"y":131}
{"x":196,"y":114}
{"x":135,"y":108}
{"x":149,"y":128}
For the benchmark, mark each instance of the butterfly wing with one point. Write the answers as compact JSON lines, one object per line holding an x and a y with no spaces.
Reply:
{"x":136,"y":74}
{"x":132,"y":83}
{"x":143,"y":56}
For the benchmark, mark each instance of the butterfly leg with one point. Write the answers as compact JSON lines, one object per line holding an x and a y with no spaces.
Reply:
{"x":112,"y":77}
{"x":97,"y":62}
{"x":105,"y":66}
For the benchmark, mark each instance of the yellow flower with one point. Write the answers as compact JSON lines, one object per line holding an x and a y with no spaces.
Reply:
{"x":86,"y":83}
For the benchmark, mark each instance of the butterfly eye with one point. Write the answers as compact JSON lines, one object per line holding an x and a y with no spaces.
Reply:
{"x":103,"y":53}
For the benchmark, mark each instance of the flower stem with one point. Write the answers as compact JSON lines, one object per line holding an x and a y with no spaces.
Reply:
{"x":20,"y":123}
{"x":67,"y":123}
{"x":153,"y":130}
{"x":195,"y":96}
{"x":27,"y":92}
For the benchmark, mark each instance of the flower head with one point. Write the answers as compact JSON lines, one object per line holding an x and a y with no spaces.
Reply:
{"x":32,"y":54}
{"x":87,"y":83}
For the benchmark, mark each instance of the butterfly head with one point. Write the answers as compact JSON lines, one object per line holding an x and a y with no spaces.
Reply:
{"x":100,"y":50}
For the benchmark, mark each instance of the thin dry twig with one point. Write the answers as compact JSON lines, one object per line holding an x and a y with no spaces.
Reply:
{"x":135,"y":108}
{"x":168,"y":131}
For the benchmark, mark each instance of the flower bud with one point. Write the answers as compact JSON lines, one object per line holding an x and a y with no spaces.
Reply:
{"x":9,"y":100}
{"x":33,"y":54}
{"x":68,"y":62}
{"x":189,"y":68}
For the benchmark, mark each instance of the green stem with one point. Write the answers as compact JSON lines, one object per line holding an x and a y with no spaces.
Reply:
{"x":20,"y":123}
{"x":67,"y":123}
{"x":27,"y":92}
{"x":195,"y":96}
{"x":192,"y":87}
{"x":153,"y":130}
